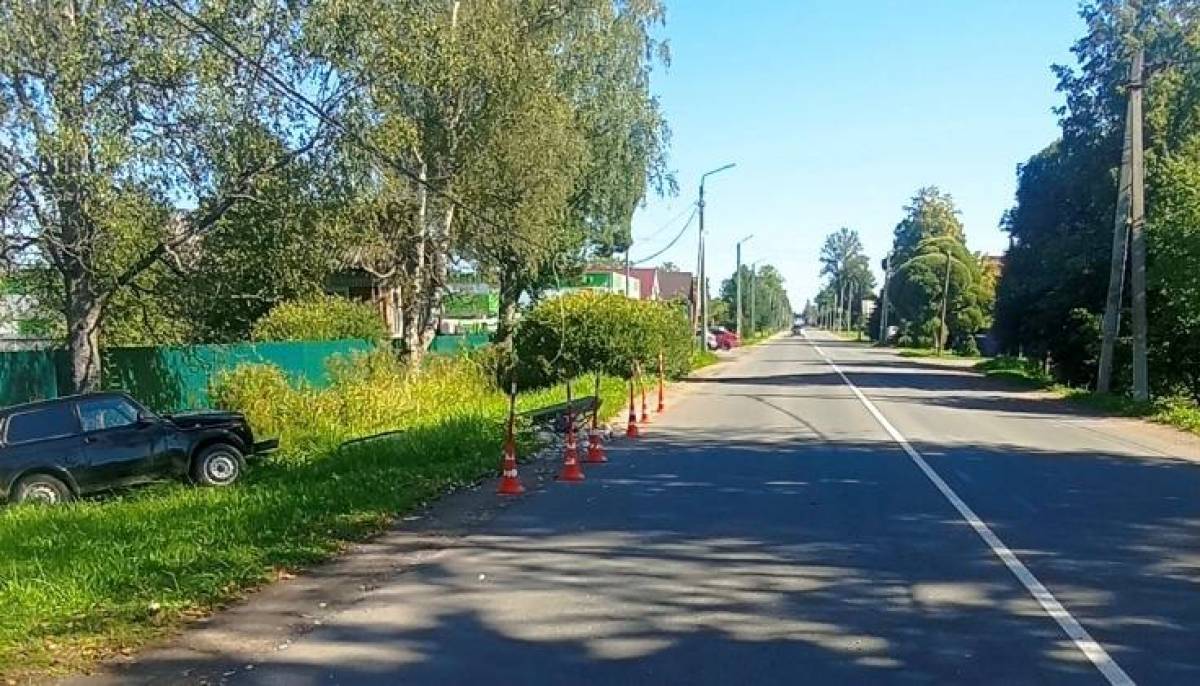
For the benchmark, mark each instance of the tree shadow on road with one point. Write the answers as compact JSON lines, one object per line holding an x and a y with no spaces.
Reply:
{"x":692,"y":559}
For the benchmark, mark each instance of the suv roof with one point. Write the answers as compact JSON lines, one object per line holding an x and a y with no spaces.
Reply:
{"x":24,"y":407}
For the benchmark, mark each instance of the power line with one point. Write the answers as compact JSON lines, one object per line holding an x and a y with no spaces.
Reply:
{"x":224,"y":46}
{"x":228,"y":50}
{"x":673,"y":240}
{"x":669,"y":223}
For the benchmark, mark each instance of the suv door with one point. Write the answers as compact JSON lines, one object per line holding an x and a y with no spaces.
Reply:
{"x":44,"y":436}
{"x":120,"y":448}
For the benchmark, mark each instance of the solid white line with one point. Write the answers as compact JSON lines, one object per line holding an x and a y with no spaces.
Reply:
{"x":1083,"y":640}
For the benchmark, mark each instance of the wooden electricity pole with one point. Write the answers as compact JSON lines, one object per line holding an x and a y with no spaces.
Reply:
{"x":1129,"y":227}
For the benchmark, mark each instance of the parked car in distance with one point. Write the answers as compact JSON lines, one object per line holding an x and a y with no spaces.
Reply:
{"x":56,"y":450}
{"x":725,"y":339}
{"x":798,"y":329}
{"x":710,"y":339}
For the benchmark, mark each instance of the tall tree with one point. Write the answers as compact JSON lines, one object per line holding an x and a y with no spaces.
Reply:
{"x":119,"y":137}
{"x":1051,"y":294}
{"x":932,"y":265}
{"x":849,"y":270}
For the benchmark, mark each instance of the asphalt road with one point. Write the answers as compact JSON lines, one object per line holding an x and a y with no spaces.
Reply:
{"x":774,"y":527}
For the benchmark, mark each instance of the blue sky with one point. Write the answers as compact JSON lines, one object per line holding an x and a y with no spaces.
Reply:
{"x":837,"y":111}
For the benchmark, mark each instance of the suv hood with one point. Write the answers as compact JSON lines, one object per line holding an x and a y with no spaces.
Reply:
{"x":198,"y":420}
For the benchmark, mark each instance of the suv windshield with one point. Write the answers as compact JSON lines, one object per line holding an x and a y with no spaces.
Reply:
{"x":52,"y":421}
{"x":106,"y":413}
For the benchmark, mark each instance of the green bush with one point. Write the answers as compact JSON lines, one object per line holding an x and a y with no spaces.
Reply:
{"x":586,"y":332}
{"x":89,"y":579}
{"x":324,"y":318}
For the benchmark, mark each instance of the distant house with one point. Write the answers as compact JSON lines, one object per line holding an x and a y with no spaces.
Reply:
{"x":610,"y":280}
{"x":676,"y":286}
{"x":360,"y":285}
{"x":679,"y":286}
{"x":22,"y":327}
{"x":648,"y":282}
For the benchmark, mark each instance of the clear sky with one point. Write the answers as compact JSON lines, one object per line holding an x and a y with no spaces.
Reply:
{"x":837,"y":111}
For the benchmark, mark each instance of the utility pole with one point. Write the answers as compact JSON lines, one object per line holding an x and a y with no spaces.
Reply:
{"x":883,"y":314}
{"x":703,"y":261}
{"x":837,"y":310}
{"x":753,"y":279}
{"x":737,"y":279}
{"x":627,"y":270}
{"x":1120,"y":248}
{"x":1137,"y":231}
{"x":945,"y":300}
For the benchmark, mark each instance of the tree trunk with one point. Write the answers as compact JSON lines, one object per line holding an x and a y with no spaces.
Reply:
{"x":510,"y":293}
{"x":84,"y":309}
{"x":413,"y":323}
{"x":439,"y":272}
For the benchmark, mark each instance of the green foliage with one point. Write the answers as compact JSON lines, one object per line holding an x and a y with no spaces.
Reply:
{"x":1062,"y":224}
{"x":1021,"y":370}
{"x":763,"y":297}
{"x":323,"y":318}
{"x":850,"y":278}
{"x":584,"y":332}
{"x":929,"y":243}
{"x":86,"y":580}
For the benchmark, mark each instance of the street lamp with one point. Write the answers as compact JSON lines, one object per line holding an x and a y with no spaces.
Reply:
{"x":753,"y":279}
{"x":701,"y":266}
{"x":737,"y":275}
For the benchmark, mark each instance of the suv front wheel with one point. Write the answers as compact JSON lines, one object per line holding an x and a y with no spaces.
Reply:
{"x":217,"y":465}
{"x":41,"y":489}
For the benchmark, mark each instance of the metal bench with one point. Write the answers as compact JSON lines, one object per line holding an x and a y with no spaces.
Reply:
{"x":555,"y":416}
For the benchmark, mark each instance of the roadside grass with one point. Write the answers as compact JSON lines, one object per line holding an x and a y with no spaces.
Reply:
{"x":1022,"y":371}
{"x":756,"y":338}
{"x":1179,"y":412}
{"x":930,"y":352}
{"x":852,"y":336}
{"x":95,"y":578}
{"x":704,"y":358}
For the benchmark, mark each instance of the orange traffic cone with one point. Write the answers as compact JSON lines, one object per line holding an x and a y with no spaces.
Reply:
{"x":631,"y":429}
{"x":571,"y":471}
{"x":661,"y":404}
{"x":645,"y":412}
{"x":510,"y":483}
{"x":595,"y":451}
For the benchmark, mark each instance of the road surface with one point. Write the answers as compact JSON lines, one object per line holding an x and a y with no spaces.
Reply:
{"x":815,"y":512}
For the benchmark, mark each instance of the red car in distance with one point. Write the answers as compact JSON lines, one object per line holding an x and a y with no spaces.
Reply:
{"x":726,"y":339}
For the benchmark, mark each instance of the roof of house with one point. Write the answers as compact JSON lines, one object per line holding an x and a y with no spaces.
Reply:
{"x":673,"y":285}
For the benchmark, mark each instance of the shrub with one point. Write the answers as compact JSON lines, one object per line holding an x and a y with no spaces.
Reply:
{"x":324,"y":318}
{"x":84,"y":580}
{"x":588,"y":332}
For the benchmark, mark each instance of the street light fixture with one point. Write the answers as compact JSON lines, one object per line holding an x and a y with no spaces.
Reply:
{"x":701,"y":259}
{"x":737,"y":276}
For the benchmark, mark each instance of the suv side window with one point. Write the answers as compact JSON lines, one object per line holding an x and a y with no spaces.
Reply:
{"x":52,"y":421}
{"x":106,"y":413}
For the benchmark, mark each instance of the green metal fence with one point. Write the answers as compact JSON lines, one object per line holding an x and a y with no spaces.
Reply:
{"x":454,"y":344}
{"x":167,"y":378}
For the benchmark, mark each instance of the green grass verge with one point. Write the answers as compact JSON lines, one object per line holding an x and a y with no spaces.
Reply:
{"x":1181,"y":413}
{"x":930,"y":352}
{"x":90,"y":579}
{"x":704,"y":358}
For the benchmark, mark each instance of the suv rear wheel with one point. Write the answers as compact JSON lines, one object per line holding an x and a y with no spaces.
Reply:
{"x":42,"y":489}
{"x":217,"y":465}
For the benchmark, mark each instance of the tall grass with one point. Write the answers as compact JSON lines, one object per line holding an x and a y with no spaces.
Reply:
{"x":85,"y":580}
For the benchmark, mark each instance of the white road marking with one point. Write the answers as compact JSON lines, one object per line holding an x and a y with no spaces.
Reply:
{"x":1074,"y":630}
